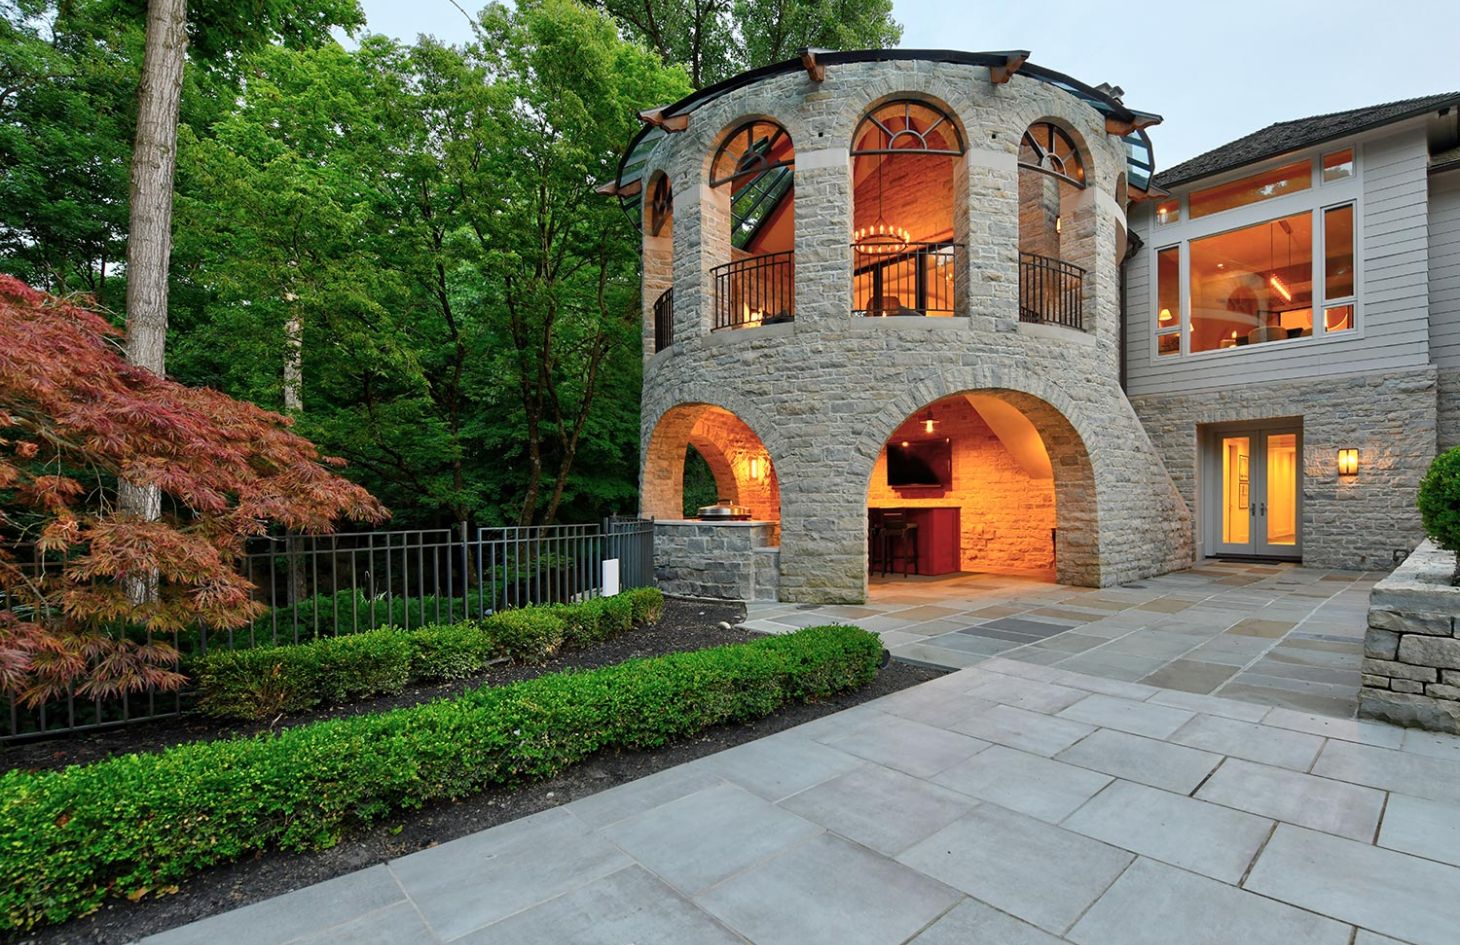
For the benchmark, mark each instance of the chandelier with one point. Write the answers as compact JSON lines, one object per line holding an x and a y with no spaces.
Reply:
{"x":881,"y":238}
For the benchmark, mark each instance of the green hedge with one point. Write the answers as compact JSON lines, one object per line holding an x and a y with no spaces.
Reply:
{"x":264,"y":682}
{"x":127,"y":825}
{"x":1439,"y":500}
{"x":352,"y":611}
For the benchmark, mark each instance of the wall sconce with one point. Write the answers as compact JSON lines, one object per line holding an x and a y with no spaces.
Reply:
{"x":1348,"y":462}
{"x":757,"y":469}
{"x":927,"y":420}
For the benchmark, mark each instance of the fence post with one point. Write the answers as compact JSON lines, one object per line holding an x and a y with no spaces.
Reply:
{"x":465,"y":569}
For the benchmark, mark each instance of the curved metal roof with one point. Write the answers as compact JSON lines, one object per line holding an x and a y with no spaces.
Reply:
{"x":1139,"y":155}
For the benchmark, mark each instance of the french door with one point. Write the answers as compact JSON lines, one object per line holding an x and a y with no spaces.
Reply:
{"x":1253,"y":494}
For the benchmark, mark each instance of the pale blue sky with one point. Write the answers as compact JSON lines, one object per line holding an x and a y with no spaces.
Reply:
{"x":1215,"y":70}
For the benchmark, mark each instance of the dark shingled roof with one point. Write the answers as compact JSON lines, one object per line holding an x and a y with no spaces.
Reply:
{"x":1301,"y":133}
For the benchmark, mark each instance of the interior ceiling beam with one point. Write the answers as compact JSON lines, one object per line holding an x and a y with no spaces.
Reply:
{"x":671,"y":124}
{"x":1000,"y":74}
{"x":815,"y":69}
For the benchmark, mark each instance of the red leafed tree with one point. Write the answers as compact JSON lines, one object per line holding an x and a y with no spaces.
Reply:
{"x":75,"y":419}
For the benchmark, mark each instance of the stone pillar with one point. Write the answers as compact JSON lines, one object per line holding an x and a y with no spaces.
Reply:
{"x":823,"y":235}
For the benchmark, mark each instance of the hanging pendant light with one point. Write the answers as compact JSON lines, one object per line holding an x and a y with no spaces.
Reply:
{"x":927,"y":420}
{"x":881,"y":238}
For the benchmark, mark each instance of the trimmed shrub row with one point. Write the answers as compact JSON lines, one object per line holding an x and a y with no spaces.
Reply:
{"x":264,"y":682}
{"x":131,"y":824}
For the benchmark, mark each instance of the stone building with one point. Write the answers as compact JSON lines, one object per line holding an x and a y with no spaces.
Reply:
{"x":928,"y":311}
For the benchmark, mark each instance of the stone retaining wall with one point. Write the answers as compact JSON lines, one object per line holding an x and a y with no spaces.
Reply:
{"x":1412,"y":649}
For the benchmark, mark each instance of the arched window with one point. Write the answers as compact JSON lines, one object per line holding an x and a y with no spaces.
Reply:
{"x":1049,"y":149}
{"x":661,"y":204}
{"x":754,"y":172}
{"x":904,"y":154}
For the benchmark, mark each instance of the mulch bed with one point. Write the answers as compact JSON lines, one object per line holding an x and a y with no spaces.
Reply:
{"x":686,"y":625}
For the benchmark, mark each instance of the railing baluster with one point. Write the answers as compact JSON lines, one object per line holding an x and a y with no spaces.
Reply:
{"x":1051,"y":291}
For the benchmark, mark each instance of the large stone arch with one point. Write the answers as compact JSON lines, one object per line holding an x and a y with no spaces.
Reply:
{"x":743,"y":467}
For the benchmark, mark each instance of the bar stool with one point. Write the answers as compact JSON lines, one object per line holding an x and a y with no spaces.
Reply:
{"x":898,"y":542}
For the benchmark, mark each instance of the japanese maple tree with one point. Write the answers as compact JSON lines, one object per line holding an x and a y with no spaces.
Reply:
{"x":75,"y":419}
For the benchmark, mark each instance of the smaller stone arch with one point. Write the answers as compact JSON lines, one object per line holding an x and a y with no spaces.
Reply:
{"x":742,"y":466}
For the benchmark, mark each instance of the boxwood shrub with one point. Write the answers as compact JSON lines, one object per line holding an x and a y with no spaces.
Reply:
{"x":131,"y":824}
{"x":1439,"y":500}
{"x":265,"y":682}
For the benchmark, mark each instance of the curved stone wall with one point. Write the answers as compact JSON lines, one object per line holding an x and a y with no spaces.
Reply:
{"x":824,"y":392}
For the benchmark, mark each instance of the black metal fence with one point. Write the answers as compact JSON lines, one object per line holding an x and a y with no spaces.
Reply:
{"x":1051,"y":291}
{"x":758,"y":290}
{"x":318,"y":586}
{"x":664,"y":320}
{"x":916,"y":280}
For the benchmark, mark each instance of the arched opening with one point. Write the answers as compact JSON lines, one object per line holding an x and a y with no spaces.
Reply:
{"x":904,"y":256}
{"x":1051,"y":184}
{"x":753,"y":177}
{"x":984,"y":482}
{"x":738,"y":463}
{"x":658,"y":285}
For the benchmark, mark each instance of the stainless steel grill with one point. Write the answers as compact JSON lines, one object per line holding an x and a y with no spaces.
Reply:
{"x":723,"y":511}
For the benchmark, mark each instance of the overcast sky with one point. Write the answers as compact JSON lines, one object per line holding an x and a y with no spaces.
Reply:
{"x":1216,"y":69}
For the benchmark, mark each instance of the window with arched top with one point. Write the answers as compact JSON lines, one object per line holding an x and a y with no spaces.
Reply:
{"x":1049,"y":149}
{"x":904,"y":258}
{"x":661,"y":204}
{"x":754,"y":148}
{"x":754,"y":172}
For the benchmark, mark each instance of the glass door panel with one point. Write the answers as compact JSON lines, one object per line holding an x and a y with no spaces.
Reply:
{"x":1236,"y":490}
{"x":1281,"y":490}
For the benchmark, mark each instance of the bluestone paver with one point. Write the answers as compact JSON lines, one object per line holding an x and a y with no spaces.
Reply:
{"x":1430,"y":829}
{"x":1260,"y":743}
{"x":1125,"y":715}
{"x":1019,"y":728}
{"x":1419,"y":775}
{"x":1348,"y":810}
{"x":973,"y":923}
{"x":880,"y":808}
{"x":1030,"y":784}
{"x":1144,"y":760}
{"x":918,"y":749}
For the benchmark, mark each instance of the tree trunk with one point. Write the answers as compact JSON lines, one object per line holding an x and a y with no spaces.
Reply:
{"x":149,"y":231}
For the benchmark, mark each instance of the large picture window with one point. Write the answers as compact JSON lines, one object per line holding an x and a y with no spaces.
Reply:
{"x":1238,"y":280}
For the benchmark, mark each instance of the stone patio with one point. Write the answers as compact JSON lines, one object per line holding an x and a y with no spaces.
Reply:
{"x":1274,"y":634}
{"x":1008,"y":803}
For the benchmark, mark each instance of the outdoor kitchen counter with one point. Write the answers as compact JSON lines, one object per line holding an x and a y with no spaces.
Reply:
{"x":733,"y":560}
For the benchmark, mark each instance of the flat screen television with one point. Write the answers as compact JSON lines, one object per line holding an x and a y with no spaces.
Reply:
{"x":926,"y":464}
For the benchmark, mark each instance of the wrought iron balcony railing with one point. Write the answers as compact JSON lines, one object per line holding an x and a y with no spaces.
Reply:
{"x":1051,"y":291}
{"x":916,"y":280}
{"x":758,"y":290}
{"x":664,"y":320}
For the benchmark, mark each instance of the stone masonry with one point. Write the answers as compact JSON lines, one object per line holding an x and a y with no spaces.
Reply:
{"x":824,"y":393}
{"x":1412,"y":648}
{"x":729,"y":561}
{"x":1347,"y":522}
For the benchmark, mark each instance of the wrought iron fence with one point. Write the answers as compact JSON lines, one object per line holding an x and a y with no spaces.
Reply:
{"x":917,"y":280}
{"x":317,"y":586}
{"x":758,"y":290}
{"x":1051,"y":291}
{"x":664,"y":320}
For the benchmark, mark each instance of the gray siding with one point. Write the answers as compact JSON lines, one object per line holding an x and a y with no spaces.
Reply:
{"x":1394,"y":292}
{"x":1445,"y":270}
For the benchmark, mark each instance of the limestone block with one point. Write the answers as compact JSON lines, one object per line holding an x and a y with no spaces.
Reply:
{"x":1421,"y":650}
{"x":1375,"y":682}
{"x":1441,"y":691}
{"x":1433,"y":624}
{"x":1396,"y":670}
{"x":1439,"y":715}
{"x":1380,"y":644}
{"x":1406,"y":685}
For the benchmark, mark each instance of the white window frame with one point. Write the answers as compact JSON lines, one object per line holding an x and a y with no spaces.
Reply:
{"x":1315,"y":200}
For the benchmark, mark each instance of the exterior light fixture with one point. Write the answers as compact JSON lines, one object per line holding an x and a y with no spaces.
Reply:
{"x":1348,"y":462}
{"x":1057,"y":223}
{"x":757,"y":469}
{"x":928,"y":422}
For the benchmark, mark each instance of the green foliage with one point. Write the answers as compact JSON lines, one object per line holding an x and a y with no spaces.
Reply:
{"x":1439,"y":500}
{"x":699,"y":483}
{"x":265,"y":682}
{"x":132,"y":824}
{"x":268,"y":681}
{"x":353,"y":611}
{"x":526,"y":634}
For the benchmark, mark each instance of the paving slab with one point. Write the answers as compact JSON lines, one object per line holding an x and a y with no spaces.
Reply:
{"x":972,"y":923}
{"x":1194,"y":835}
{"x":779,"y":767}
{"x":1408,"y":773}
{"x":918,"y":749}
{"x":630,"y":905}
{"x":1145,"y":760}
{"x":880,"y":808}
{"x":1390,"y":893}
{"x":1019,"y":728}
{"x":1424,"y":828}
{"x":1030,"y":784}
{"x":828,"y":892}
{"x":313,"y":910}
{"x":1032,"y":870}
{"x":1138,"y":718}
{"x":699,"y":840}
{"x":1261,"y":743}
{"x":1156,"y":904}
{"x":1336,"y":807}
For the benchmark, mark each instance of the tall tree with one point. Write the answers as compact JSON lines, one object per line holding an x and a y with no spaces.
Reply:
{"x":715,"y":39}
{"x":224,"y":31}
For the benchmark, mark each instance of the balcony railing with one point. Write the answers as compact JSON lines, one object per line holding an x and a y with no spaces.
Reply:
{"x":916,"y":281}
{"x":664,"y":320}
{"x":1051,"y":291}
{"x":758,"y":290}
